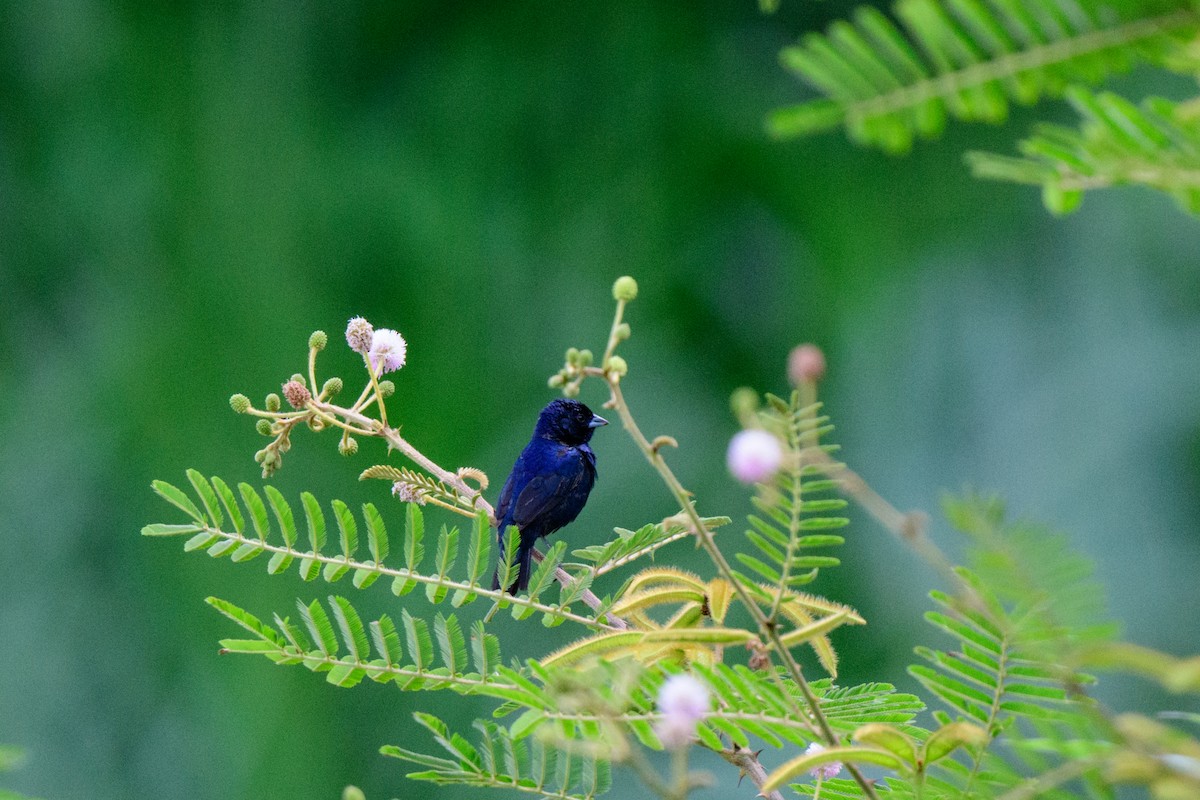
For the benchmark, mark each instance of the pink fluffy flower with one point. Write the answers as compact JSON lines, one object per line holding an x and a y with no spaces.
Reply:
{"x":388,"y":349}
{"x":754,"y":456}
{"x":806,"y":364}
{"x":683,"y":701}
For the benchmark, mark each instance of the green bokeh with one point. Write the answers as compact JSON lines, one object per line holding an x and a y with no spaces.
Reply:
{"x":187,"y":190}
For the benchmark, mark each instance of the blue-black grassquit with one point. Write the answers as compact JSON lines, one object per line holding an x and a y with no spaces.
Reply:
{"x":550,"y":482}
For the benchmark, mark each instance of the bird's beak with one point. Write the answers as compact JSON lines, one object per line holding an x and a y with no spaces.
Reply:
{"x":597,"y":421}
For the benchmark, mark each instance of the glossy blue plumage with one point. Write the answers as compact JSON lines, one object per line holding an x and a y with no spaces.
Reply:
{"x":550,"y":482}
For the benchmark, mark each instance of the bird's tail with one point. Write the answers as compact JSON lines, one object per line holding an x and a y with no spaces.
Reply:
{"x":524,"y":566}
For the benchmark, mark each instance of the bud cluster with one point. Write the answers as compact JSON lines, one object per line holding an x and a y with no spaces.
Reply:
{"x":383,"y":350}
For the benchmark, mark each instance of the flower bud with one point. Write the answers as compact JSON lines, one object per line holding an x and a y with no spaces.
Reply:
{"x":585,"y":358}
{"x":318,"y":340}
{"x":754,"y":456}
{"x":806,"y":364}
{"x":239,"y":403}
{"x":743,"y":402}
{"x":406,"y":492}
{"x":623,"y":332}
{"x":353,"y":793}
{"x":387,"y":388}
{"x":263,"y":426}
{"x":556,"y":381}
{"x":331,"y":387}
{"x":617,"y":366}
{"x":625,"y":289}
{"x":296,"y":393}
{"x":572,"y":355}
{"x":348,"y":446}
{"x":358,"y":335}
{"x":272,"y":402}
{"x":298,"y":378}
{"x":571,"y":390}
{"x":683,"y":701}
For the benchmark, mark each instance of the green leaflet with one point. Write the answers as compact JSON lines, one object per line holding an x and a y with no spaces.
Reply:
{"x":1156,"y":145}
{"x":462,"y":579}
{"x":890,"y":83}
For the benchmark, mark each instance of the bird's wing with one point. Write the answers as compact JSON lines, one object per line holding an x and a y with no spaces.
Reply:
{"x":537,"y":501}
{"x":504,"y":503}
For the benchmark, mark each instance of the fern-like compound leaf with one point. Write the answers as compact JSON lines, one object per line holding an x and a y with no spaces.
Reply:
{"x":502,"y":760}
{"x":1156,"y":145}
{"x":276,"y":532}
{"x":890,"y":82}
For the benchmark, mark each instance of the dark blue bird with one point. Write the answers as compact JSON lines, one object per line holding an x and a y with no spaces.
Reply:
{"x":550,"y":482}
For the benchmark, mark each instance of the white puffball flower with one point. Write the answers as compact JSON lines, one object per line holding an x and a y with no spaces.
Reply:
{"x":754,"y":456}
{"x":682,"y":701}
{"x":388,"y":349}
{"x":826,"y":771}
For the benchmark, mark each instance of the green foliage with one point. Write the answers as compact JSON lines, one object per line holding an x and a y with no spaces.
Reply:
{"x":11,"y":758}
{"x":1025,"y":618}
{"x":645,"y":541}
{"x":965,"y":59}
{"x":336,"y":642}
{"x":890,"y":84}
{"x":792,"y":521}
{"x":460,"y":575}
{"x":1117,"y":143}
{"x":505,"y":761}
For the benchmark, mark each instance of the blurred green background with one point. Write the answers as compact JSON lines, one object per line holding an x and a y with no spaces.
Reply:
{"x":188,"y":189}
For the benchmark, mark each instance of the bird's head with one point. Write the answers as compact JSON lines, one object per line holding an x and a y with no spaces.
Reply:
{"x":568,"y":422}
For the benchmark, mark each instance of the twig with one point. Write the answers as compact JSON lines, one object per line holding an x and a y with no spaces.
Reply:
{"x":746,"y":760}
{"x":909,"y":528}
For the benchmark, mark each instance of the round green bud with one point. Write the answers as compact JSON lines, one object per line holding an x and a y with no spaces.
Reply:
{"x":585,"y":358}
{"x":348,"y":446}
{"x":353,"y":793}
{"x":298,"y":378}
{"x":556,"y":381}
{"x":331,"y":387}
{"x":571,"y":390}
{"x":272,"y":402}
{"x":743,"y":401}
{"x":318,"y":340}
{"x":625,"y":289}
{"x":572,"y":355}
{"x":239,"y":403}
{"x":263,"y":426}
{"x":261,"y":455}
{"x":387,"y":388}
{"x":617,"y":366}
{"x":623,"y":332}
